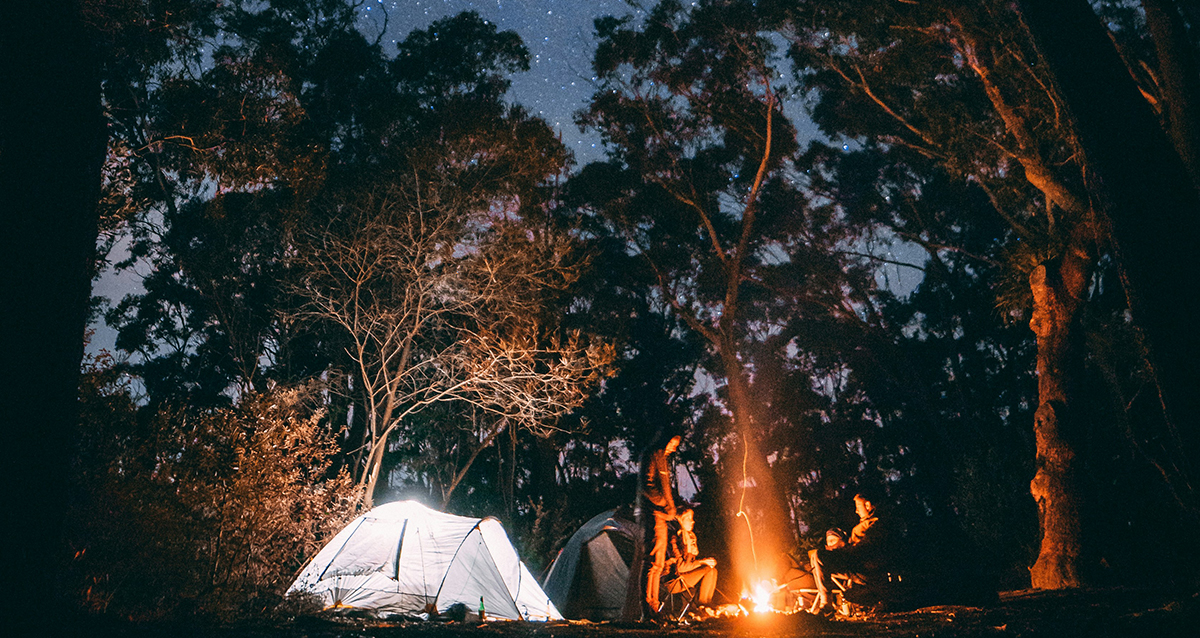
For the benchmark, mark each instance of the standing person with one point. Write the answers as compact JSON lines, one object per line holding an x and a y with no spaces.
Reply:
{"x":655,"y":508}
{"x":691,"y":570}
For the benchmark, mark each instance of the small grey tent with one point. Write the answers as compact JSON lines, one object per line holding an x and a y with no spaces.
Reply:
{"x":406,"y":558}
{"x":588,"y":578}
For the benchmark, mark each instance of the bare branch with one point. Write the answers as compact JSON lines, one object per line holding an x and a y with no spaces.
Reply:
{"x":439,"y":298}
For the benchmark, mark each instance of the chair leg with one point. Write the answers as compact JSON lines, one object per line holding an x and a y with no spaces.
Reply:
{"x":683,"y":612}
{"x":801,"y":593}
{"x":689,"y":596}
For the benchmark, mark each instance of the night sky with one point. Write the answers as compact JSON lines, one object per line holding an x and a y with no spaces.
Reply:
{"x":560,"y":38}
{"x":561,"y":41}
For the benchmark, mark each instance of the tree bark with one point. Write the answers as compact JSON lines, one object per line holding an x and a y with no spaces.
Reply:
{"x":1146,"y":197}
{"x":51,"y":152}
{"x":1179,"y":78}
{"x":1058,"y":288}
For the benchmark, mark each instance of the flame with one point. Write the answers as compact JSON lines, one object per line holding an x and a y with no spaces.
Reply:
{"x":761,"y":596}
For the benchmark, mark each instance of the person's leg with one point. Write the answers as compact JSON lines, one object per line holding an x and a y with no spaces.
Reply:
{"x":825,"y":563}
{"x":708,"y":585}
{"x":819,"y":578}
{"x":701,"y":581}
{"x":798,"y":579}
{"x":635,"y":597}
{"x":656,"y":557}
{"x":646,"y":561}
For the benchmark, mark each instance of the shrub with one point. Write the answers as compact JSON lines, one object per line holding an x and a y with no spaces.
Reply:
{"x":181,"y":511}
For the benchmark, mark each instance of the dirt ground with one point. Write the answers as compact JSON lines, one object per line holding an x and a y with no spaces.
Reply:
{"x":1027,"y":614}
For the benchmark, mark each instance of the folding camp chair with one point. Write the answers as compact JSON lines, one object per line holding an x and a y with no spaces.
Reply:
{"x":800,"y":593}
{"x":841,"y":582}
{"x":677,"y":597}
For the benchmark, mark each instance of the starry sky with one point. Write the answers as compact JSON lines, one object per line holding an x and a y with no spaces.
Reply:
{"x":561,"y":41}
{"x":560,"y":38}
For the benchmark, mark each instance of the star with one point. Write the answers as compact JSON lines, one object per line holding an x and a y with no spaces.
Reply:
{"x":561,"y":41}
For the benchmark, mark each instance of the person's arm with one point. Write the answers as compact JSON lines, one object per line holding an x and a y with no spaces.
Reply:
{"x":675,"y":556}
{"x":651,"y":481}
{"x":664,"y":477}
{"x":691,"y":548}
{"x":871,"y":543}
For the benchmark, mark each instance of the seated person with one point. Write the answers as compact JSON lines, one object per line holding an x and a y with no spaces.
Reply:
{"x":685,"y":572}
{"x":864,"y":557}
{"x":835,"y":538}
{"x":799,"y":584}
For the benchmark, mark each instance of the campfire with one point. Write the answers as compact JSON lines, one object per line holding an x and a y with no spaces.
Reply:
{"x":758,"y":600}
{"x":762,"y":598}
{"x":762,"y":601}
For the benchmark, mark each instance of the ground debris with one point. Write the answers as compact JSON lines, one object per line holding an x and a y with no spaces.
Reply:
{"x":1085,"y":613}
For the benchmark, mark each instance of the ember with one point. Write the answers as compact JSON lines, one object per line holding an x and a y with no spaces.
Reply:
{"x":762,"y":595}
{"x":759,"y":600}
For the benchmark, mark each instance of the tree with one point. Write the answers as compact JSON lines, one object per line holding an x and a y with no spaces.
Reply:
{"x":51,"y":151}
{"x":973,"y":54}
{"x":1145,"y":199}
{"x":703,"y":189}
{"x":962,"y":89}
{"x":212,"y":158}
{"x":245,"y":130}
{"x":196,"y":510}
{"x":437,"y":295}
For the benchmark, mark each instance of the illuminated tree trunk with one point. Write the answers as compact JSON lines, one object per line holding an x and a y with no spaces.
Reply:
{"x":760,"y":527}
{"x":1058,"y":288}
{"x":1151,"y":210}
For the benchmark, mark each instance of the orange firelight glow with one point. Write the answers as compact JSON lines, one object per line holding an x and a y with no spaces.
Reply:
{"x":761,"y":596}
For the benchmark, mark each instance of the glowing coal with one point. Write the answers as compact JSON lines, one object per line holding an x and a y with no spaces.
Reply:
{"x":757,"y":599}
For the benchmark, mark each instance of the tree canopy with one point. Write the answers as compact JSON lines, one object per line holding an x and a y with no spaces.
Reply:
{"x":840,"y":245}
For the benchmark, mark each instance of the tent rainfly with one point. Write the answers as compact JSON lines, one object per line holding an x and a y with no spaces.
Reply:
{"x":588,"y":578}
{"x":404,"y":558}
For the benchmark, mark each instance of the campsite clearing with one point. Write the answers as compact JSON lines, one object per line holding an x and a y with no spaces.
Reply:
{"x":1115,"y":613}
{"x":1071,"y":614}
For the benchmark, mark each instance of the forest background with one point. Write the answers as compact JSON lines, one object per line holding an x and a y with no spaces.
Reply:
{"x":371,"y":277}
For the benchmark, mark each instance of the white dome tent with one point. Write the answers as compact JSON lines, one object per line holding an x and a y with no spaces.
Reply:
{"x":405,"y":558}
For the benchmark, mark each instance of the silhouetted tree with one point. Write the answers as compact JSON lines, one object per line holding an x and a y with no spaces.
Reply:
{"x":51,"y":151}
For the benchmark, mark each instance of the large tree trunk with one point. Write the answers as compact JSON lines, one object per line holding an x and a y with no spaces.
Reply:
{"x":1141,"y":186}
{"x":1058,"y":288}
{"x":760,"y":530}
{"x":51,"y":152}
{"x":1179,"y":78}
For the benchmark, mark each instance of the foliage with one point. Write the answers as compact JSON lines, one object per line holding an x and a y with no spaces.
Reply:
{"x":703,"y":188}
{"x":973,"y":157}
{"x":929,"y":391}
{"x":441,"y":299}
{"x":192,"y":510}
{"x":244,"y":134}
{"x":308,"y":204}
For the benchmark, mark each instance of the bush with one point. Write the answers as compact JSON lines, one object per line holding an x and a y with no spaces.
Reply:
{"x":211,"y":512}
